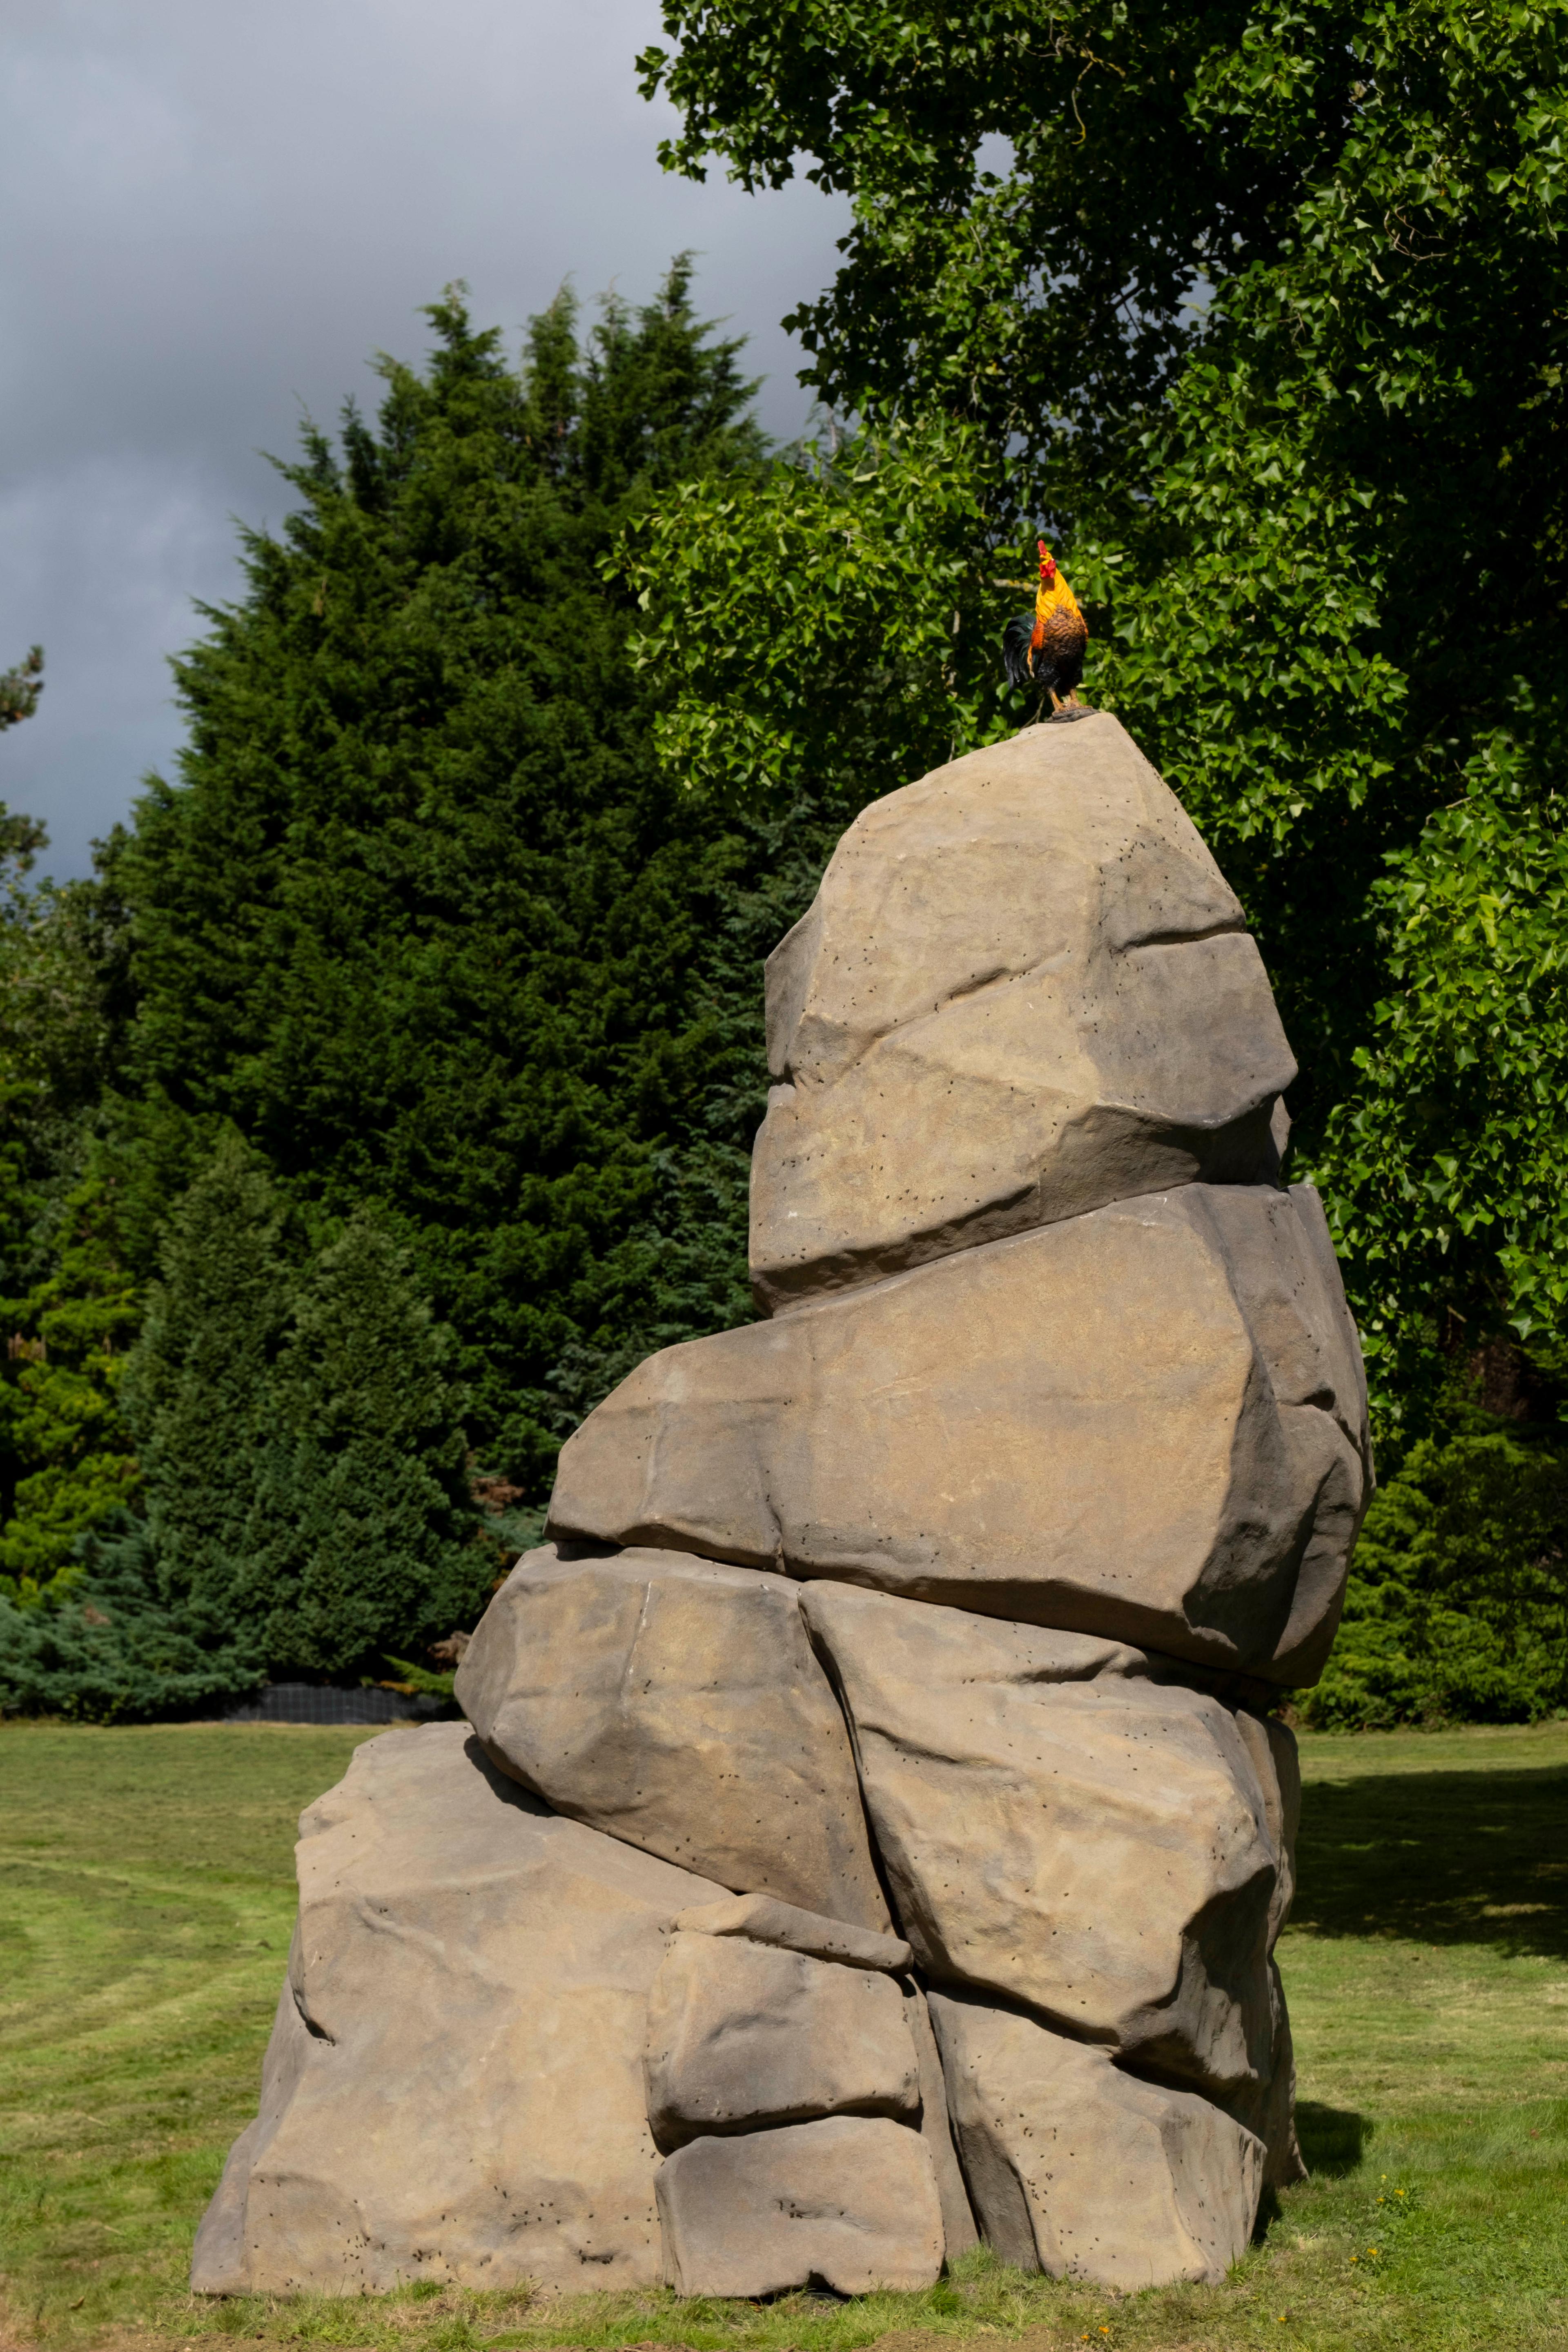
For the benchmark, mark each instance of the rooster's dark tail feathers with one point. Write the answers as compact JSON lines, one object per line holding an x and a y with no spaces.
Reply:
{"x":1015,"y":649}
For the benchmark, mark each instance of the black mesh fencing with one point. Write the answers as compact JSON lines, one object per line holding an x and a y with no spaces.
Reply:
{"x":321,"y":1703}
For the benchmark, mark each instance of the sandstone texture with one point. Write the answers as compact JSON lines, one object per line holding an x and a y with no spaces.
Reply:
{"x":767,"y":1921}
{"x":1268,"y":2107}
{"x":1081,"y":1427}
{"x":677,"y":1703}
{"x":849,"y":2203}
{"x":740,"y":2035}
{"x":1024,"y":990}
{"x":958,"y":2224}
{"x":877,"y":1767}
{"x":454,"y":2087}
{"x":1098,"y":1849}
{"x":1078,"y":2168}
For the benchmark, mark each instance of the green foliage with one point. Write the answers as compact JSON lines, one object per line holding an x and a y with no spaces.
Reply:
{"x":62,"y":1439}
{"x":199,"y":1392}
{"x":415,"y":1681}
{"x":415,"y":1006}
{"x":419,"y":917}
{"x":828,"y":630}
{"x":1264,"y":315}
{"x":69,"y":1299}
{"x":301,"y":1454}
{"x":21,"y":838}
{"x":146,"y":1623}
{"x":20,"y":688}
{"x":1455,"y":1133}
{"x":1457,"y":1606}
{"x":106,"y":1648}
{"x":1046,"y":301}
{"x":362,"y":1531}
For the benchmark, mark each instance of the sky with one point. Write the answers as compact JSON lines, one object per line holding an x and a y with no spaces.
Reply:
{"x":215,"y":213}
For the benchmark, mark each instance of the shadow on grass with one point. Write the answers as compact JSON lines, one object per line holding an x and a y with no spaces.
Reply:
{"x":1438,"y":1858}
{"x":1333,"y":2139}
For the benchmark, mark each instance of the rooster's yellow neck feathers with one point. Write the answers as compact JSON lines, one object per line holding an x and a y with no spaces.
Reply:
{"x":1058,"y":598}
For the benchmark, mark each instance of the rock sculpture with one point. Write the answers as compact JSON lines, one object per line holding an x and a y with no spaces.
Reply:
{"x":873,"y":1825}
{"x":679,"y":1705}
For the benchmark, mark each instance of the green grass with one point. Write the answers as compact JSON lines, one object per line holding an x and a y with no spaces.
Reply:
{"x":145,"y":1908}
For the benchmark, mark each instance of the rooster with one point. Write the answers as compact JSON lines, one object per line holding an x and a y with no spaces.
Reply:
{"x":1045,"y":648}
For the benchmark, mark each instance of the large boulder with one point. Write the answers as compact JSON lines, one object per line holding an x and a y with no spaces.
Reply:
{"x":1098,"y":1849}
{"x":1077,"y":2169}
{"x":849,"y":2203}
{"x":1081,"y":1427}
{"x":751,"y":2053}
{"x":454,"y":2089}
{"x":743,"y":2035}
{"x":1024,"y":990}
{"x":678,"y":1705}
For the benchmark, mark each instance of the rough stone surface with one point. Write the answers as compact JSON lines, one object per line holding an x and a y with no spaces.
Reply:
{"x":1078,"y":2168}
{"x":960,"y":1589}
{"x":765,"y":1920}
{"x":740,"y":2035}
{"x":454,"y":2088}
{"x":848,"y":2203}
{"x":677,"y":1703}
{"x":1024,"y":990}
{"x":1271,"y":1745}
{"x":1078,"y":1427}
{"x":958,"y":2225}
{"x":1098,"y":1848}
{"x":1268,"y":2107}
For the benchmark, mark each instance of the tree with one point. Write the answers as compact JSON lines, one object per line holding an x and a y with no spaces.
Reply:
{"x":146,"y":1624}
{"x":66,"y":1458}
{"x":21,"y":838}
{"x":69,"y":1301}
{"x":198,"y":1388}
{"x":822,"y":635}
{"x":362,"y":1535}
{"x":302,"y":1502}
{"x":1264,"y":318}
{"x":20,"y":688}
{"x":1458,"y":1600}
{"x":419,"y":916}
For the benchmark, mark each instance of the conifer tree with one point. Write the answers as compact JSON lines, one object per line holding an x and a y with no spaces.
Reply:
{"x":362,"y":1537}
{"x":301,"y":1457}
{"x":421,"y":919}
{"x":71,"y":1296}
{"x":422,"y":932}
{"x":149,"y":1625}
{"x":198,"y":1389}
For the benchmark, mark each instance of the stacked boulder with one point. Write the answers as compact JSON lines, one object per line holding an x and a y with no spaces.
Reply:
{"x":874,"y":1830}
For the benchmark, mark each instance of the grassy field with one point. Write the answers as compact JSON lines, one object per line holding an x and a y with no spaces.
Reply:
{"x":145,"y":1910}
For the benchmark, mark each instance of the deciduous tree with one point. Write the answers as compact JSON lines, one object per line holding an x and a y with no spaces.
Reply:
{"x":1263,"y":314}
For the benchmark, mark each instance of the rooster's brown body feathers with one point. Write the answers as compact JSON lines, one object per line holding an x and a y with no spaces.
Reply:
{"x":1045,"y":648}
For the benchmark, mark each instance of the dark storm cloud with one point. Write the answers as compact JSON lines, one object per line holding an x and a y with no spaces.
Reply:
{"x":213,"y":214}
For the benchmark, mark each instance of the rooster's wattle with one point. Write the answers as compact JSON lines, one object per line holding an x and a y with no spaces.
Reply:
{"x":1045,"y":648}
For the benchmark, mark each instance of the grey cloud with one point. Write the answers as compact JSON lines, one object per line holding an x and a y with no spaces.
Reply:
{"x":216,"y":213}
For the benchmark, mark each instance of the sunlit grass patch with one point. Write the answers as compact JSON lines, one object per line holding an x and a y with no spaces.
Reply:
{"x":146,"y":1905}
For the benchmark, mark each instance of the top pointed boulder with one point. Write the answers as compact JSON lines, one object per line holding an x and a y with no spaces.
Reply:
{"x":1024,"y":990}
